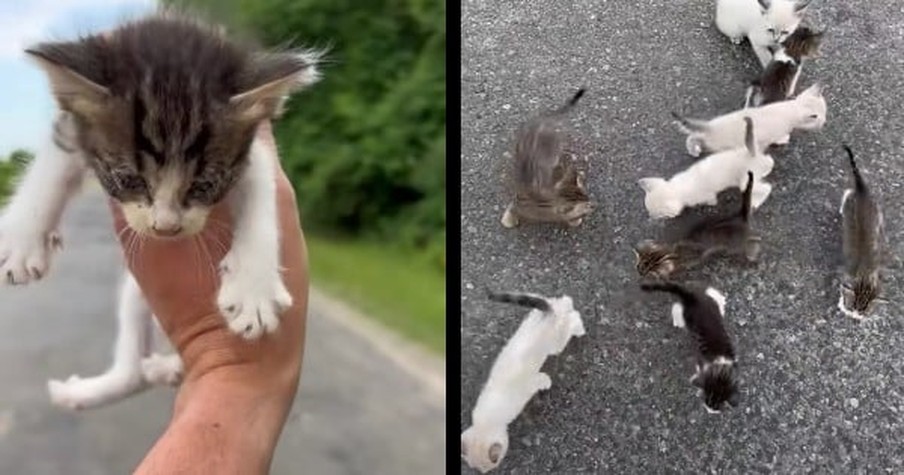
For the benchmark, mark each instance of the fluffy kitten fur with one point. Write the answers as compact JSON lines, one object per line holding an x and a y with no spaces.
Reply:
{"x":701,"y":313}
{"x":515,"y":376}
{"x":863,"y":231}
{"x":765,"y":23}
{"x":548,"y":187}
{"x":702,"y":181}
{"x":163,"y":111}
{"x":779,"y":80}
{"x":774,"y":123}
{"x":712,"y":236}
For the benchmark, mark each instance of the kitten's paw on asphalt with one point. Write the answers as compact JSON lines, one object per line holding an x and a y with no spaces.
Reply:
{"x":162,"y":370}
{"x":25,"y":256}
{"x":251,"y":301}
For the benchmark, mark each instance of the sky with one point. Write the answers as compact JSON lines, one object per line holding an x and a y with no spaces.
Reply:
{"x":26,"y":106}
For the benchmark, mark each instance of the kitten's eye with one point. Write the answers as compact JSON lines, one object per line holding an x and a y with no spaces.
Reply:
{"x":784,"y":32}
{"x":814,"y":116}
{"x":133,"y":184}
{"x":199,"y":191}
{"x":770,"y":30}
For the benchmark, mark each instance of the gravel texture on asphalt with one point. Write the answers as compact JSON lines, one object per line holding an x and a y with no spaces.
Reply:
{"x":820,"y":392}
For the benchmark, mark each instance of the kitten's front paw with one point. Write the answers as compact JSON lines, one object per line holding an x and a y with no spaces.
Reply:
{"x":694,"y":146}
{"x":25,"y":256}
{"x":66,"y":394}
{"x":737,"y":39}
{"x":162,"y":370}
{"x":251,"y":301}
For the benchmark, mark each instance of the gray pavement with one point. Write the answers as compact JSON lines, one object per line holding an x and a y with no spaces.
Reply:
{"x":821,"y":393}
{"x":357,"y":410}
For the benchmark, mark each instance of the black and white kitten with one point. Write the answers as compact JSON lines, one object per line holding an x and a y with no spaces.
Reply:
{"x":163,"y":111}
{"x":701,"y":313}
{"x":547,"y":186}
{"x":732,"y":235}
{"x":779,"y":80}
{"x":863,"y":234}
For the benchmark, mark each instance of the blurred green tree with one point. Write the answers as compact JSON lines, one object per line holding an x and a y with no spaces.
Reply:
{"x":10,"y":168}
{"x":365,"y":148}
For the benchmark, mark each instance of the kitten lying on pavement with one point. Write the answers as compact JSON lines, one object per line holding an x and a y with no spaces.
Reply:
{"x":766,"y":23}
{"x":164,"y":112}
{"x":774,"y":124}
{"x":702,"y":181}
{"x":548,"y":187}
{"x":863,"y":233}
{"x":731,"y":235}
{"x":515,"y":376}
{"x":702,"y":314}
{"x":779,"y":80}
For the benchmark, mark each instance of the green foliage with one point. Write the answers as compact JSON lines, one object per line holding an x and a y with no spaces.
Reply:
{"x":365,"y":148}
{"x":10,"y":169}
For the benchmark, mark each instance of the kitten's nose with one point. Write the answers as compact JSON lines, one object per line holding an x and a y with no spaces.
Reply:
{"x":167,"y":230}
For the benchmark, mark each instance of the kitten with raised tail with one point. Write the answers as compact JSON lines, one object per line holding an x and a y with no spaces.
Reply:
{"x":863,"y":233}
{"x":779,"y":80}
{"x":164,"y":112}
{"x":731,"y":235}
{"x":547,"y":185}
{"x":702,"y":314}
{"x":774,"y":123}
{"x":515,"y":375}
{"x":766,"y":23}
{"x":701,"y":183}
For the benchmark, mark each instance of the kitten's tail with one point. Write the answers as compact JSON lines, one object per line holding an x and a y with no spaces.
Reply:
{"x":750,"y":138}
{"x":746,"y":208}
{"x":689,"y":125}
{"x":859,"y":184}
{"x":521,"y":299}
{"x":685,"y":294}
{"x":571,"y":102}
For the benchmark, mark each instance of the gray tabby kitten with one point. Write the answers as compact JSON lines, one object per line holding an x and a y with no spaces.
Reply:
{"x":779,"y":80}
{"x":712,"y":236}
{"x":548,"y":187}
{"x":863,"y":232}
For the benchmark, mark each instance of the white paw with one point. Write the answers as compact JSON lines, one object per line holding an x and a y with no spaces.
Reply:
{"x":67,"y":394}
{"x":251,"y":299}
{"x":162,"y":370}
{"x":737,"y":39}
{"x":25,"y":256}
{"x":509,"y":220}
{"x":694,"y":146}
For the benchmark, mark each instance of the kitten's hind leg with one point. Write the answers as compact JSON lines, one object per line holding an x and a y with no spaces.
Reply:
{"x":844,"y":198}
{"x":677,"y":315}
{"x":541,"y":382}
{"x":761,"y":191}
{"x":509,"y":219}
{"x":124,"y":376}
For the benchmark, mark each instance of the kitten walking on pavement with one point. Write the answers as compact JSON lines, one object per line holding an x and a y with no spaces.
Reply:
{"x":766,"y":23}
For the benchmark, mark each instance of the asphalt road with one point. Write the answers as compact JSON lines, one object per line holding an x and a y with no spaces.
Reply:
{"x":820,"y":392}
{"x":357,"y":410}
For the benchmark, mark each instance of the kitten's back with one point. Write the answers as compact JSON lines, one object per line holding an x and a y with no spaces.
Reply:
{"x":862,"y":224}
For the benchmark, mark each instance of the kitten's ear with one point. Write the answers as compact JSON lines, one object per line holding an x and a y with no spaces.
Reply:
{"x":495,"y":452}
{"x":269,"y":80}
{"x":764,"y":4}
{"x":815,"y":90}
{"x":649,"y":184}
{"x":64,"y":63}
{"x":801,"y":5}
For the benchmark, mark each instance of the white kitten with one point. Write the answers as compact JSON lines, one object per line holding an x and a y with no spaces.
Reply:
{"x":765,"y":23}
{"x":774,"y":123}
{"x":702,"y":182}
{"x":515,"y":376}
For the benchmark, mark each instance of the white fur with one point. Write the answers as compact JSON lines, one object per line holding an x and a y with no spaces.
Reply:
{"x":773,"y":123}
{"x":844,"y":198}
{"x":133,"y":368}
{"x":745,"y":18}
{"x":702,"y":181}
{"x":678,"y":315}
{"x":719,"y":298}
{"x":850,"y":313}
{"x":515,"y":377}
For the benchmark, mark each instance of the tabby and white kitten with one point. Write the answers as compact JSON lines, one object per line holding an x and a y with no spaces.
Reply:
{"x":774,"y":123}
{"x":863,"y":234}
{"x":712,"y":236}
{"x":515,"y":376}
{"x":702,"y":181}
{"x":548,"y":187}
{"x":701,"y":313}
{"x":163,"y":111}
{"x":766,"y":23}
{"x":779,"y":80}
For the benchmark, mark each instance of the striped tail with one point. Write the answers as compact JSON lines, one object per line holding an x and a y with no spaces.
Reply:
{"x":859,"y":184}
{"x":746,"y":208}
{"x":571,"y":102}
{"x":521,"y":299}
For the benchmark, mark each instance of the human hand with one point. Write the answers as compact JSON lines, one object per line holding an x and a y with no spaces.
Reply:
{"x":236,"y":394}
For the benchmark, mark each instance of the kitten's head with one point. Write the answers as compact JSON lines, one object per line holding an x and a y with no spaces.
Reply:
{"x":803,"y":43}
{"x":861,"y":295}
{"x":781,"y":17}
{"x":165,"y":110}
{"x":718,"y":384}
{"x":811,"y":108}
{"x":483,"y":448}
{"x":659,"y":199}
{"x":654,"y":259}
